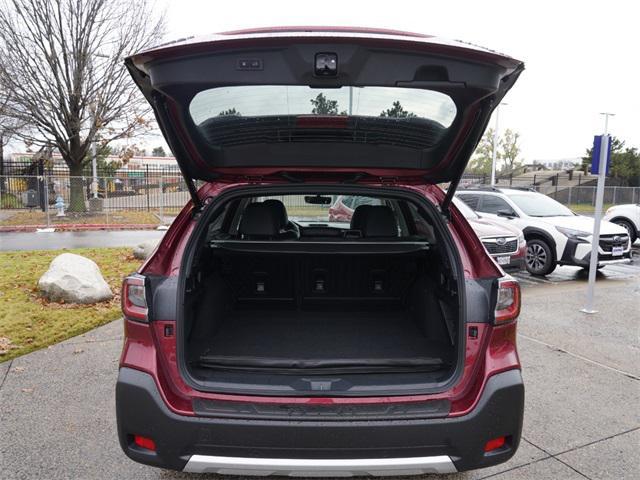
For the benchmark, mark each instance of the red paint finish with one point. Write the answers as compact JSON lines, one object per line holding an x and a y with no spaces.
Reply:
{"x":358,"y":30}
{"x":146,"y":347}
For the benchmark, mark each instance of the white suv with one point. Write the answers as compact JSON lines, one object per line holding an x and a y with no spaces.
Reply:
{"x":627,"y":216}
{"x":554,"y":234}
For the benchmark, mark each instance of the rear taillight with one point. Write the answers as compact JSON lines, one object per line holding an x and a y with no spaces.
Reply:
{"x":134,"y":300}
{"x":508,"y":301}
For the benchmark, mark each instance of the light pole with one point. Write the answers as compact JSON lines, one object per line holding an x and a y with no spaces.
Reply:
{"x":94,"y":163}
{"x":94,"y":149}
{"x":494,"y":152}
{"x":606,"y":121}
{"x":595,"y":239}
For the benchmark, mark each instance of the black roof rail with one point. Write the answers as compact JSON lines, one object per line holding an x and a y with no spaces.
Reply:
{"x":526,"y":189}
{"x":481,"y":188}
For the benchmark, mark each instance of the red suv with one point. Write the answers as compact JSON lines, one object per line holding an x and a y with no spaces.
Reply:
{"x":262,"y":340}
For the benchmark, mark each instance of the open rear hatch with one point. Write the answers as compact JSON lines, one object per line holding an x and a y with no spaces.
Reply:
{"x":292,"y":102}
{"x":323,"y":107}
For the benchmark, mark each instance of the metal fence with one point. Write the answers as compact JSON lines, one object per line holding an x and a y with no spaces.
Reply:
{"x":537,"y":178}
{"x":154,"y":196}
{"x":142,"y":192}
{"x":132,"y":199}
{"x":586,"y":195}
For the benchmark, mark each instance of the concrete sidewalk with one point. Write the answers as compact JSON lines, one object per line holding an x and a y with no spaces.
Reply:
{"x":582,"y":416}
{"x":59,"y":240}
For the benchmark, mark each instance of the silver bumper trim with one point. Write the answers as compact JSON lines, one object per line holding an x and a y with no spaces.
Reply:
{"x":613,"y":262}
{"x":294,"y":467}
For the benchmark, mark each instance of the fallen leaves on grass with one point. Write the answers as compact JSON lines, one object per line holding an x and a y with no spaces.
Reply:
{"x":32,"y":322}
{"x":6,"y":345}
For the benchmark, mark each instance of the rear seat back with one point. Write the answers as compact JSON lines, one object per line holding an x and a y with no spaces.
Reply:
{"x":317,"y":280}
{"x":266,"y":221}
{"x":259,"y":222}
{"x":375,"y":221}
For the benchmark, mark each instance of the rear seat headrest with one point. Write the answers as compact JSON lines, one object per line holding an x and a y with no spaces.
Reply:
{"x":374,"y":221}
{"x":259,"y":220}
{"x":280,"y":210}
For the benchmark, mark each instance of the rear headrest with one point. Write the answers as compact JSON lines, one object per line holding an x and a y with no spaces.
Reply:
{"x":259,"y":220}
{"x":280,"y":209}
{"x":374,"y":221}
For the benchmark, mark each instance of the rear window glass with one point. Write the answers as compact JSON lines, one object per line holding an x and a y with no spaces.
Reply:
{"x":269,"y":100}
{"x":400,"y":117}
{"x":471,"y":200}
{"x":332,"y":211}
{"x":493,"y":204}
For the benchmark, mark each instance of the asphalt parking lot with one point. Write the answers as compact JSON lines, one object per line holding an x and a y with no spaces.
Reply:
{"x":582,"y":375}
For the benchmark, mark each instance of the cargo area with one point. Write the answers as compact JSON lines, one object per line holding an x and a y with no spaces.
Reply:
{"x":315,"y":313}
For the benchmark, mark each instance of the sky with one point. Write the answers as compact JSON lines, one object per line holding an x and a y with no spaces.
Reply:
{"x":581,"y":58}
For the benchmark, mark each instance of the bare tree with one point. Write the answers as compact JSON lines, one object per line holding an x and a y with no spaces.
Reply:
{"x":61,"y":61}
{"x":9,"y":126}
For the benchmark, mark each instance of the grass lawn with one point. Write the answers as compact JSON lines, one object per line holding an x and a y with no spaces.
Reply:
{"x":311,"y":211}
{"x":29,"y":322}
{"x":24,"y":217}
{"x":586,"y":208}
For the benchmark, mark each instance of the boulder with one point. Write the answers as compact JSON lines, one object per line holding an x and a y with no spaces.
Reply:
{"x":144,"y":249}
{"x":74,"y":279}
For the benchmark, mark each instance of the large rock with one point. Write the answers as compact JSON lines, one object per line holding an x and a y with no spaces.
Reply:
{"x":143,"y":250}
{"x":74,"y":279}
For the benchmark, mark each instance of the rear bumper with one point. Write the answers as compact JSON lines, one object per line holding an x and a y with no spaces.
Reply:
{"x":308,"y":448}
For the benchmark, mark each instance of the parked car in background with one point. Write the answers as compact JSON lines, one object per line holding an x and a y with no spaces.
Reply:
{"x":258,"y":343}
{"x":504,"y":242}
{"x":627,"y":216}
{"x":342,"y":209}
{"x":554,"y":234}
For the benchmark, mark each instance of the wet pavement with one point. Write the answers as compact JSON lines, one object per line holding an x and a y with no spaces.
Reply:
{"x":90,"y":239}
{"x":581,"y":420}
{"x":620,"y":271}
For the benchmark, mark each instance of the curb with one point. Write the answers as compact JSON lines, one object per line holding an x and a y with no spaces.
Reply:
{"x":77,"y":227}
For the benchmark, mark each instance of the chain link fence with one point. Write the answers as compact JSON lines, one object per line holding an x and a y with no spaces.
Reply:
{"x":154,"y":197}
{"x":54,"y":199}
{"x":140,"y":198}
{"x":586,"y":195}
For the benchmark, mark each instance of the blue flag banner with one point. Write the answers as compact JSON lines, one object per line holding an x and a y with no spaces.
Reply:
{"x":595,"y":156}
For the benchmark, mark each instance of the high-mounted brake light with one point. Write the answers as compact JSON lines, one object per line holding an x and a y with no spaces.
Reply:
{"x":134,"y":300}
{"x":508,"y":302}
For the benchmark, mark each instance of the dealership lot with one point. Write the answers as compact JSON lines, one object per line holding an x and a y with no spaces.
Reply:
{"x":582,"y":377}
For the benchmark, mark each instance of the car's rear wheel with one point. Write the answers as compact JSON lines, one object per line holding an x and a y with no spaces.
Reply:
{"x":539,"y":258}
{"x":628,"y":227}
